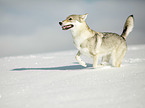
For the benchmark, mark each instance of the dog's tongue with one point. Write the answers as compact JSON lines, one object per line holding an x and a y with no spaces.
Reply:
{"x":66,"y":27}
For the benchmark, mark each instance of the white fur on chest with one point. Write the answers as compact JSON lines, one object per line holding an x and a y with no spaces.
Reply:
{"x":85,"y":51}
{"x":78,"y":41}
{"x":79,"y":38}
{"x":80,"y":33}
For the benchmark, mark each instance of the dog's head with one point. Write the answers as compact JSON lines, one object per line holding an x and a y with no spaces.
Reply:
{"x":73,"y":21}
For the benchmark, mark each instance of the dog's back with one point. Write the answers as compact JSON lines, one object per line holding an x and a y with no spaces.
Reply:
{"x":112,"y":40}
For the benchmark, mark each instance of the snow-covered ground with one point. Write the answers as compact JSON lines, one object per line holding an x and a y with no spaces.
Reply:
{"x":56,"y":80}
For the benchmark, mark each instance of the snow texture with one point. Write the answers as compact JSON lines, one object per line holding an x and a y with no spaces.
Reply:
{"x":56,"y":80}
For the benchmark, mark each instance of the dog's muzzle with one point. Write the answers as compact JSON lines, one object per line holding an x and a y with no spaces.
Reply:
{"x":66,"y":27}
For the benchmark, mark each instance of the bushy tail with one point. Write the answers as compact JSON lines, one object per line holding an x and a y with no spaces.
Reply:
{"x":129,"y":24}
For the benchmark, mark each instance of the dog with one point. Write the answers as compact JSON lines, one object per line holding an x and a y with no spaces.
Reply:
{"x":110,"y":46}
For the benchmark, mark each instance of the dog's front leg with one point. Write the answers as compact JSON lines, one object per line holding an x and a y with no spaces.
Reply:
{"x":80,"y":60}
{"x":95,"y":61}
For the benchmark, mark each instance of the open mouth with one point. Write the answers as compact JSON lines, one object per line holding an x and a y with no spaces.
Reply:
{"x":66,"y":27}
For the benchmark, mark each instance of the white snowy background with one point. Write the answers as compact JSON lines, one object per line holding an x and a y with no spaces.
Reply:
{"x":55,"y":80}
{"x":36,"y":72}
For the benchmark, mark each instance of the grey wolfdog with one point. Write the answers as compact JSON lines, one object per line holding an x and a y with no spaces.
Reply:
{"x":110,"y":46}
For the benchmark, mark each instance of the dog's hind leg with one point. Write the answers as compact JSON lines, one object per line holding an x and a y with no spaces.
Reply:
{"x":118,"y":56}
{"x":95,"y":61}
{"x":80,"y":60}
{"x":106,"y":59}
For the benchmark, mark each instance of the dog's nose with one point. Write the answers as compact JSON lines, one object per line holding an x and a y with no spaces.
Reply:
{"x":60,"y":23}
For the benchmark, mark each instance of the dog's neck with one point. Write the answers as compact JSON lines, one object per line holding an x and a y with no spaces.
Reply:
{"x":82,"y":30}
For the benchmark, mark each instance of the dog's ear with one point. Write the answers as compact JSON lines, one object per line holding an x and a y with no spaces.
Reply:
{"x":83,"y":17}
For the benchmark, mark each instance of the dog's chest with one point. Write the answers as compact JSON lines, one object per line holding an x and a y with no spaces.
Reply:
{"x":77,"y":42}
{"x":84,"y":51}
{"x":78,"y":39}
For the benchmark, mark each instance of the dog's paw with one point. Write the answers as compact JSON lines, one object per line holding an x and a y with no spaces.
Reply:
{"x":84,"y":64}
{"x":96,"y":66}
{"x":105,"y":63}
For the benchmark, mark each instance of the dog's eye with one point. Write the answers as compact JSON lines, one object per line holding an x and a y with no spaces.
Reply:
{"x":70,"y":19}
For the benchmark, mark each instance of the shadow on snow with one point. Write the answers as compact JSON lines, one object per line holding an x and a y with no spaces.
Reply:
{"x":71,"y":67}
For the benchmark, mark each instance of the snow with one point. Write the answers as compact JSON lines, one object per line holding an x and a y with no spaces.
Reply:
{"x":56,"y":80}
